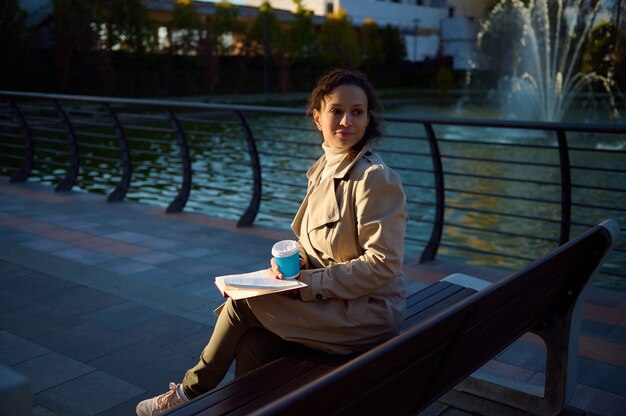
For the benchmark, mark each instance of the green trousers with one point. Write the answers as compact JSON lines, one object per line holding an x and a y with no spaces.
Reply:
{"x":238,"y":336}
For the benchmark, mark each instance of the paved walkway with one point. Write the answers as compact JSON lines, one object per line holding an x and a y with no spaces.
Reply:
{"x":102,"y":304}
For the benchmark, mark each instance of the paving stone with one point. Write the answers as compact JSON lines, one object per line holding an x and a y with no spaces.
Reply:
{"x":51,"y":369}
{"x":159,"y":243}
{"x":155,"y":257}
{"x":125,"y":266}
{"x":164,"y":277}
{"x":11,"y":301}
{"x":618,"y":334}
{"x":192,"y":345}
{"x":35,"y":285}
{"x":86,"y":341}
{"x":126,"y":359}
{"x":601,"y":376}
{"x":604,"y":297}
{"x":77,"y":224}
{"x":599,"y":402}
{"x":88,"y":395}
{"x":39,"y":410}
{"x":507,"y":370}
{"x":119,"y":249}
{"x":82,"y":255}
{"x":80,"y":300}
{"x":532,"y":357}
{"x":95,"y":258}
{"x":122,"y":315}
{"x":204,"y":287}
{"x":14,"y":349}
{"x":156,"y":376}
{"x":17,"y":237}
{"x":192,"y":252}
{"x":166,"y":329}
{"x":46,"y":245}
{"x":128,"y":407}
{"x":128,"y":237}
{"x":596,"y":329}
{"x":200,"y":267}
{"x":11,"y":271}
{"x":194,"y":267}
{"x":36,"y":320}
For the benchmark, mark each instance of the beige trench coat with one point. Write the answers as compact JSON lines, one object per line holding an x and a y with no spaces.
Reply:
{"x":351,"y":228}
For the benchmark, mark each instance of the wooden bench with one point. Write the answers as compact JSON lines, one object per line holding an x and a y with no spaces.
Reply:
{"x":452,"y":331}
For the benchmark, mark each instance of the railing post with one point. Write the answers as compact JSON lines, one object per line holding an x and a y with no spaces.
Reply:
{"x":121,"y":189}
{"x":255,"y":202}
{"x":430,"y":251}
{"x":72,"y":172}
{"x":566,"y":186}
{"x":27,"y":164}
{"x":180,"y":201}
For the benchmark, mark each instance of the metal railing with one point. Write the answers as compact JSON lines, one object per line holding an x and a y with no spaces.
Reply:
{"x":478,"y":188}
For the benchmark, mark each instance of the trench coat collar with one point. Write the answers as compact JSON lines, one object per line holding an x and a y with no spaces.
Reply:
{"x":344,"y":166}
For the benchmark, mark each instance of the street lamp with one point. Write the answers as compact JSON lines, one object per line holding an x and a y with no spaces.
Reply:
{"x":416,"y":23}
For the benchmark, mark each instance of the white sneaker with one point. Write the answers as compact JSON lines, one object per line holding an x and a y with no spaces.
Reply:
{"x":160,"y":404}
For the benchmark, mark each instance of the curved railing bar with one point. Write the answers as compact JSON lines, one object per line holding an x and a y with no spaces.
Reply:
{"x":72,"y":172}
{"x":121,"y":189}
{"x":251,"y":212}
{"x":180,"y":201}
{"x":515,"y":124}
{"x":29,"y":154}
{"x":430,"y":251}
{"x":566,"y":186}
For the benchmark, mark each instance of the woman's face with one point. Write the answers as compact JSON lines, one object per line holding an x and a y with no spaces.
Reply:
{"x":343,"y":116}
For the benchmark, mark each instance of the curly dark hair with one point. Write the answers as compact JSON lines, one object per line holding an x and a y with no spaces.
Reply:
{"x":336,"y":77}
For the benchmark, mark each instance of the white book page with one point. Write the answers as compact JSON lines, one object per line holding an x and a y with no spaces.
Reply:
{"x":257,"y":280}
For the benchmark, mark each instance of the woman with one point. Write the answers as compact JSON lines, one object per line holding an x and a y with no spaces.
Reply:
{"x":350,"y":228}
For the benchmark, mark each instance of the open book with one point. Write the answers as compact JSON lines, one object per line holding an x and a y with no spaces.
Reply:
{"x":247,"y":285}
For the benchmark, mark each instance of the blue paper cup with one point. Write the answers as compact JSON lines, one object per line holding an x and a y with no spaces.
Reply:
{"x":285,"y":253}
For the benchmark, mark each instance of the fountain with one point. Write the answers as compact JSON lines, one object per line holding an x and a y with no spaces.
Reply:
{"x":540,"y":49}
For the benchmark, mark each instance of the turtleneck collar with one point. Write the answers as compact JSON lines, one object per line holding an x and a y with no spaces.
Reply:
{"x":334,"y":156}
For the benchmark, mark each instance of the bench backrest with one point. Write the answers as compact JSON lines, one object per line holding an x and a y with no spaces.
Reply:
{"x":409,"y":372}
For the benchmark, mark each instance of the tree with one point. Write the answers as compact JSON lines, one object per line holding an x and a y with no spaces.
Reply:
{"x":268,"y":38}
{"x":373,"y":54}
{"x":223,"y":28}
{"x":339,"y":41}
{"x":393,"y":45}
{"x":72,"y":31}
{"x":302,"y":38}
{"x":601,"y":56}
{"x":266,"y":32}
{"x":130,"y":27}
{"x":14,"y":36}
{"x":187,"y":28}
{"x":597,"y":56}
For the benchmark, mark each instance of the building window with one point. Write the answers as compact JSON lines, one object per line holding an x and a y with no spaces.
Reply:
{"x":450,"y":11}
{"x":329,"y":8}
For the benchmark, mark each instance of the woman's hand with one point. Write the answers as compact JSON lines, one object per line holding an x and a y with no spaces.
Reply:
{"x":274,"y":271}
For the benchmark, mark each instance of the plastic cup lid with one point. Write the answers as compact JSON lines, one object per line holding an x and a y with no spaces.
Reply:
{"x":285,"y":248}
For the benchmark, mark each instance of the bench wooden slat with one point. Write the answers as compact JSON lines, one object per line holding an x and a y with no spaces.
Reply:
{"x":442,"y":299}
{"x":281,"y":375}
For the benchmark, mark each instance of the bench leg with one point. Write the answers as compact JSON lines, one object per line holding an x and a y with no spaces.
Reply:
{"x":561,"y":336}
